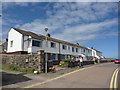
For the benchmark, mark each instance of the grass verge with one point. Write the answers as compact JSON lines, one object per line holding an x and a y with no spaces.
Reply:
{"x":15,"y":68}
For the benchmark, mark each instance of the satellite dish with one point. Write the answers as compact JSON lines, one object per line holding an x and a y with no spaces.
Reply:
{"x":48,"y":35}
{"x":46,"y":29}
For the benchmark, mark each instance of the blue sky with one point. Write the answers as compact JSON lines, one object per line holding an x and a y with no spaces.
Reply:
{"x":92,"y":24}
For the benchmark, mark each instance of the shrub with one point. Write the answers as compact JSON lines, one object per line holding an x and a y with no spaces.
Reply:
{"x":67,"y":59}
{"x":83,"y":59}
{"x":96,"y":61}
{"x":13,"y":68}
{"x":61,"y":64}
{"x":89,"y":60}
{"x":0,"y":66}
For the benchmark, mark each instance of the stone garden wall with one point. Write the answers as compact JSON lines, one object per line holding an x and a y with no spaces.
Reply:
{"x":24,"y":60}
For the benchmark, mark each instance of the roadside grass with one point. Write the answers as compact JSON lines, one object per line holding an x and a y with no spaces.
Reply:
{"x":0,"y":66}
{"x":15,"y":68}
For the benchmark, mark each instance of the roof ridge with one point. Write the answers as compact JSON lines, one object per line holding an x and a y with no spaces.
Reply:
{"x":40,"y":36}
{"x":22,"y":30}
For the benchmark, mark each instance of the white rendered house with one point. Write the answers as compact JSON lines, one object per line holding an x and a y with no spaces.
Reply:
{"x":20,"y":40}
{"x":96,"y":54}
{"x":3,"y":46}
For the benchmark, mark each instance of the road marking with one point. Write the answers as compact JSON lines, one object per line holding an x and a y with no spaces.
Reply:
{"x":53,"y":78}
{"x":36,"y":84}
{"x":112,"y":79}
{"x":57,"y":77}
{"x":113,"y":83}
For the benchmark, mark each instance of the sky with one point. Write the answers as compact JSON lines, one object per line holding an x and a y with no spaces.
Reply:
{"x":91,"y":24}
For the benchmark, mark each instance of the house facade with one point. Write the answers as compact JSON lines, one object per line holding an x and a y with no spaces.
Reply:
{"x":96,"y":54}
{"x":20,"y":40}
{"x":3,"y":46}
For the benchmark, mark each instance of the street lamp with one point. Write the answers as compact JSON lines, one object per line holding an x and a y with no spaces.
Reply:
{"x":46,"y":58}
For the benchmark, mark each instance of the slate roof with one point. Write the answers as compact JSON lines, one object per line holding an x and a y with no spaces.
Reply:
{"x":41,"y":37}
{"x":28,"y":33}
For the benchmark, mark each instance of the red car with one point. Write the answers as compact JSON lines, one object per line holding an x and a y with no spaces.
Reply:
{"x":117,"y":61}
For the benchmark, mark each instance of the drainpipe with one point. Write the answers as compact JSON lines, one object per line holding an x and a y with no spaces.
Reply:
{"x":59,"y":52}
{"x":59,"y":47}
{"x":23,"y":43}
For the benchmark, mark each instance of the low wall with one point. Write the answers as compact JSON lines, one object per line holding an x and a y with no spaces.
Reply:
{"x":88,"y":62}
{"x":104,"y":61}
{"x":23,"y":61}
{"x":56,"y":62}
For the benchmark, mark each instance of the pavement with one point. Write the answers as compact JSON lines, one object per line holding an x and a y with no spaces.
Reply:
{"x":91,"y":76}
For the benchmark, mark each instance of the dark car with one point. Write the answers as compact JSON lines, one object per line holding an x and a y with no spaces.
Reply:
{"x":117,"y":61}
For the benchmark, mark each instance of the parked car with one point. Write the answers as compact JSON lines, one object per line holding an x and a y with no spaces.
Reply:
{"x":117,"y":61}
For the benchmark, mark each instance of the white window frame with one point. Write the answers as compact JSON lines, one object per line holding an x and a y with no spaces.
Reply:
{"x":41,"y":43}
{"x":54,"y":44}
{"x":68,"y":47}
{"x":11,"y":43}
{"x":65,"y":46}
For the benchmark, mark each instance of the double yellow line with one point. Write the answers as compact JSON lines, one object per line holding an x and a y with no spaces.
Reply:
{"x":114,"y":80}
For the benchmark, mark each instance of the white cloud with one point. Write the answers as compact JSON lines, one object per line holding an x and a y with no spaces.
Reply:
{"x":8,"y":21}
{"x":61,"y":1}
{"x":79,"y":33}
{"x":112,"y":33}
{"x":87,"y":31}
{"x":7,"y":5}
{"x":75,"y":21}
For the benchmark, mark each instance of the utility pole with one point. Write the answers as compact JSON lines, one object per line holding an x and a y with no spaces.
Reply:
{"x":46,"y":56}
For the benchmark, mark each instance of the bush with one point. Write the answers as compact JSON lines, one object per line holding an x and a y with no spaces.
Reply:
{"x":67,"y":59}
{"x":0,"y":66}
{"x":61,"y":64}
{"x":13,"y":68}
{"x":89,"y":59}
{"x":83,"y":59}
{"x":96,"y":61}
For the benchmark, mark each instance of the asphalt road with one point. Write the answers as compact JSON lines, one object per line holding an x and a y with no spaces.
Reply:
{"x":95,"y":76}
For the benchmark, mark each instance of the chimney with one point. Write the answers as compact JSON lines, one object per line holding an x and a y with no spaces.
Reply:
{"x":48,"y":35}
{"x":77,"y":43}
{"x":6,"y":39}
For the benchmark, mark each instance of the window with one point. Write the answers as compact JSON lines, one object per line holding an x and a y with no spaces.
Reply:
{"x":68,"y":47}
{"x":54,"y":56}
{"x":36,"y":43}
{"x":63,"y":56}
{"x":81,"y":50}
{"x":88,"y":51}
{"x":84,"y":50}
{"x":76,"y":49}
{"x":72,"y":49}
{"x":53,"y":45}
{"x":64,"y":47}
{"x":11,"y":43}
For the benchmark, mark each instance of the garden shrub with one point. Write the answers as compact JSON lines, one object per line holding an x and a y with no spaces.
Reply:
{"x":67,"y":59}
{"x":61,"y":64}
